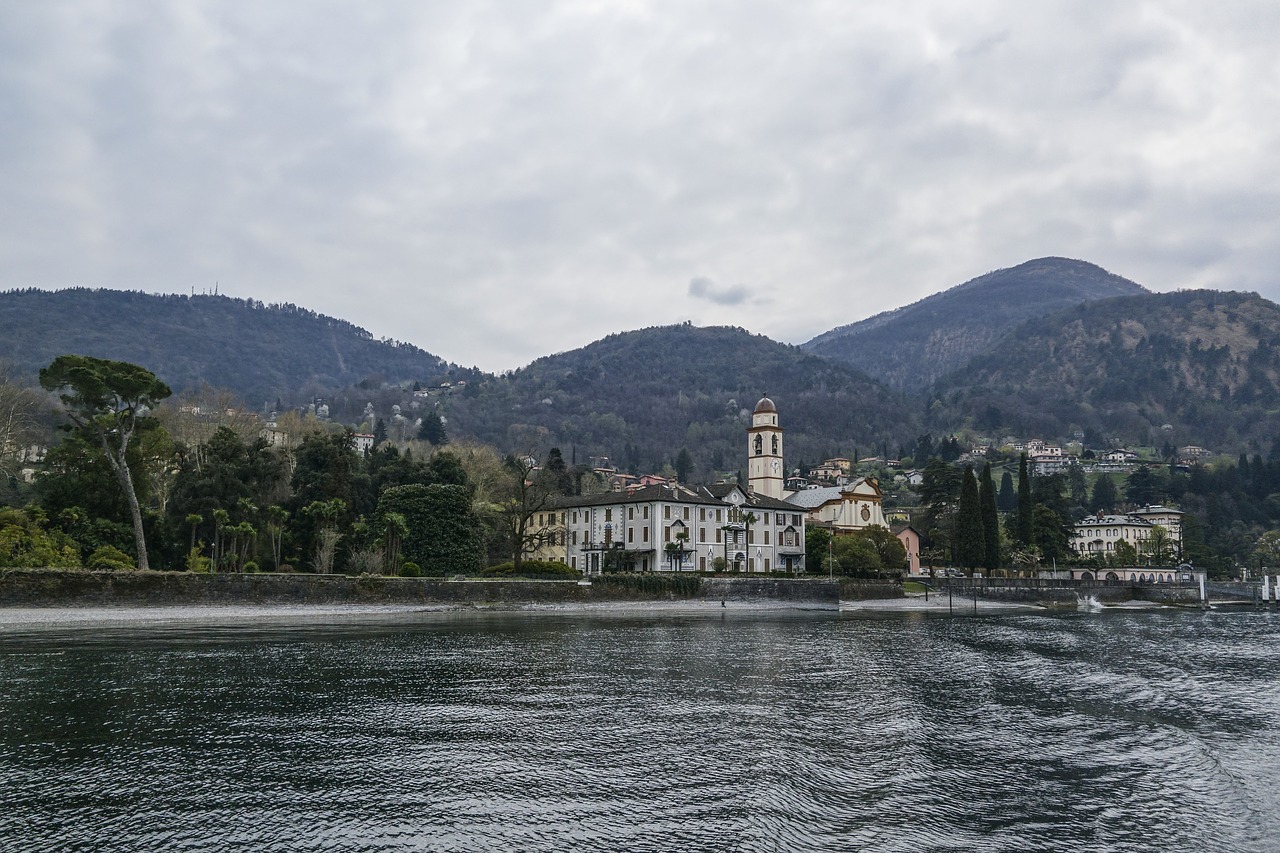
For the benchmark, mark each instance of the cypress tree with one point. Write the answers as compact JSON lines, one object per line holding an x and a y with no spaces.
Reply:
{"x":970,"y":545}
{"x":990,"y":518}
{"x":1007,"y":500}
{"x":1024,"y":529}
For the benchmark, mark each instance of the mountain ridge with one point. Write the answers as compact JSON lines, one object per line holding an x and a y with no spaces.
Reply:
{"x":953,"y":325}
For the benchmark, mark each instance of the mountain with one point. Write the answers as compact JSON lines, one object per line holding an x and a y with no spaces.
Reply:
{"x":259,"y":351}
{"x":909,"y":347}
{"x":1194,"y":367}
{"x":641,"y":396}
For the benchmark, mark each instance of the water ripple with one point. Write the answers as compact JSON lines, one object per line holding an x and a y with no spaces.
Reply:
{"x":1097,"y":732}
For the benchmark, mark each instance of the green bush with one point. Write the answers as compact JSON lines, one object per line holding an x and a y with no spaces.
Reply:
{"x":198,"y":563}
{"x":410,"y":569}
{"x":251,"y":568}
{"x":531,"y":569}
{"x":111,"y":558}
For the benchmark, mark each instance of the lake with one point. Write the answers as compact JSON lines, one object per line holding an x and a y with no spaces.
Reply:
{"x":1109,"y":730}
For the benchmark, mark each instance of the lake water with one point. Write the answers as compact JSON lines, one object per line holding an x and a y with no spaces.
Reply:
{"x":1100,"y":731}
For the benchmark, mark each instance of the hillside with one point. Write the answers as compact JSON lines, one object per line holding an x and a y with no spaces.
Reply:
{"x":1194,"y":367}
{"x":640,"y":396}
{"x":909,"y":347}
{"x":261,"y":352}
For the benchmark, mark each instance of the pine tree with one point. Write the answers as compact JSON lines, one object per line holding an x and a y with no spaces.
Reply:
{"x":1024,"y":526}
{"x":970,"y":545}
{"x":990,"y":519}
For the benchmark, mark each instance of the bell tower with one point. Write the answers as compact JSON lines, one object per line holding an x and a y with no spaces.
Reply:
{"x":765,"y":475}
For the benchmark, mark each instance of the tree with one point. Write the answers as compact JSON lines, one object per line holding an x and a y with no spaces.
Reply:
{"x":970,"y":542}
{"x":683,"y":465}
{"x":1024,"y":518}
{"x":433,"y":430}
{"x":19,"y":423}
{"x":1007,"y":501}
{"x":1159,"y":545}
{"x":855,"y":556}
{"x":889,"y":548}
{"x":990,"y":519}
{"x":1144,"y":487}
{"x":107,"y":401}
{"x":443,"y":535}
{"x":1105,"y":496}
{"x":530,"y":491}
{"x":817,"y":549}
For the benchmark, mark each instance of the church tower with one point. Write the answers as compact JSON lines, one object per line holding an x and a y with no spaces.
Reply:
{"x":765,"y":475}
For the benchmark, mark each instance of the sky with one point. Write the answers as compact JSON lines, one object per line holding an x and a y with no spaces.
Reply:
{"x":497,"y":181}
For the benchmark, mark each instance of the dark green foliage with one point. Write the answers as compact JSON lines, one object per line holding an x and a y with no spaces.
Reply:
{"x":817,"y":543}
{"x":949,"y":328}
{"x":107,"y":558}
{"x":990,"y":519}
{"x":444,"y":535}
{"x":970,"y":541}
{"x":531,"y":569}
{"x":1105,"y":496}
{"x":1198,"y":367}
{"x":639,"y":396}
{"x":1143,"y":487}
{"x":410,"y":570}
{"x":258,"y":351}
{"x":855,"y":556}
{"x":672,"y":586}
{"x":1007,"y":500}
{"x":106,"y":402}
{"x":432,"y":429}
{"x":1024,"y":518}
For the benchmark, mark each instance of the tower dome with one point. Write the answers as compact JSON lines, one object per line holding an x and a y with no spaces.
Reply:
{"x":765,"y":405}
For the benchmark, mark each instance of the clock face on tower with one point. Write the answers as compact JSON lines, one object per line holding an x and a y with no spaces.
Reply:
{"x":777,"y":466}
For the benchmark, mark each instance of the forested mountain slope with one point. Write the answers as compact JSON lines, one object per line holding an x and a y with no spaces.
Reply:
{"x":1194,"y":367}
{"x":641,"y":396}
{"x":909,"y":347}
{"x":256,"y":350}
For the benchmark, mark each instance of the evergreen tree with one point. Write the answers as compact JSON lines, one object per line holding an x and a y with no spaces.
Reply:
{"x":1143,"y":488}
{"x":1105,"y":496}
{"x":379,"y":432}
{"x":1007,"y":501}
{"x":683,"y":465}
{"x":1024,"y":526}
{"x":990,"y":519}
{"x":970,"y":540}
{"x":432,"y":429}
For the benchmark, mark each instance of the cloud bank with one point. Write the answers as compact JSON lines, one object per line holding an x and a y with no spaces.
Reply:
{"x":496,"y":181}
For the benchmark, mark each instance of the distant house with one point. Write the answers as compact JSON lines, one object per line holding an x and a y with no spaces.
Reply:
{"x":1120,"y":457}
{"x":363,"y":442}
{"x":910,"y":539}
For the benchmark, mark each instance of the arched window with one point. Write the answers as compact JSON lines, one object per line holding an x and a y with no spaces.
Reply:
{"x":775,"y":445}
{"x":759,"y":445}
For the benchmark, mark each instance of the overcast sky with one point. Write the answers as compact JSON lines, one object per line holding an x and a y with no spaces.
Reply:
{"x":495,"y":181}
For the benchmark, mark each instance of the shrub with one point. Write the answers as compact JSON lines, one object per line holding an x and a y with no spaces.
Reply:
{"x":410,"y":570}
{"x":531,"y":569}
{"x":198,"y":563}
{"x":111,"y":558}
{"x":251,"y":568}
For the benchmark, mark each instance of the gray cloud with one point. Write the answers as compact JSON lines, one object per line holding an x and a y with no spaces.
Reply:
{"x":495,"y":181}
{"x":705,"y":288}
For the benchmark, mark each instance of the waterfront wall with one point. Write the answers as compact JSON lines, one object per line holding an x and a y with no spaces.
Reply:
{"x":44,"y":588}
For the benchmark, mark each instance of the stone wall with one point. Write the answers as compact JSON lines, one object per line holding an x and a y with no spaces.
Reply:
{"x":43,"y":588}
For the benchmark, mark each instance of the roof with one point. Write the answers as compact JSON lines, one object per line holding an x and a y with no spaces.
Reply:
{"x":810,"y":498}
{"x":649,"y":494}
{"x":765,"y":405}
{"x":752,"y":499}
